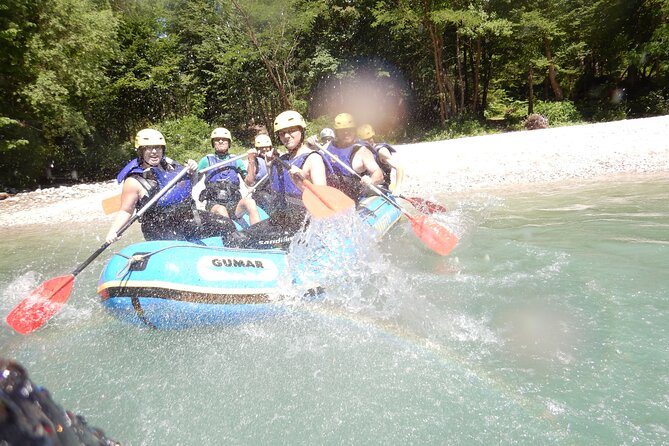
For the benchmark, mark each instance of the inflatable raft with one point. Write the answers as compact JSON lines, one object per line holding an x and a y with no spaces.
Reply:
{"x":179,"y":284}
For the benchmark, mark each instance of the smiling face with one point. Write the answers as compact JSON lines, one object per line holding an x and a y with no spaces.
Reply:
{"x":221,"y":145}
{"x":152,"y":155}
{"x":291,"y":137}
{"x":345,"y":137}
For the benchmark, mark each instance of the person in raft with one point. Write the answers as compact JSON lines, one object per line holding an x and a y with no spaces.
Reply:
{"x":261,"y":185}
{"x":354,"y":153}
{"x":287,"y":213}
{"x":327,"y":135}
{"x":384,"y":158}
{"x":222,"y":186}
{"x":174,"y":215}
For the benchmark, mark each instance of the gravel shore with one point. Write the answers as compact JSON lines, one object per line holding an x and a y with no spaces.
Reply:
{"x":436,"y":168}
{"x":537,"y":156}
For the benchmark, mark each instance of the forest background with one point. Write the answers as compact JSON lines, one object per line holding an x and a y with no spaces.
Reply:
{"x":78,"y":78}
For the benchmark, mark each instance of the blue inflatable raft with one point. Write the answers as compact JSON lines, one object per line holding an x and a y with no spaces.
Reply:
{"x":179,"y":284}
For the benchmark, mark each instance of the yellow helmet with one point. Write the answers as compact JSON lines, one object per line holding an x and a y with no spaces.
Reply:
{"x":344,"y":121}
{"x":149,"y":137}
{"x":289,"y":119}
{"x":221,"y":132}
{"x":366,"y":131}
{"x":263,"y":141}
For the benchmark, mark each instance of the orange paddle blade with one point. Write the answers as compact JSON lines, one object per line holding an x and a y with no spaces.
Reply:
{"x":325,"y":201}
{"x":111,"y":204}
{"x":45,"y":300}
{"x":432,"y":234}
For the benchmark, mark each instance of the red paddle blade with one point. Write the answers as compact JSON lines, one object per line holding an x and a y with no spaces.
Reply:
{"x":426,"y":206}
{"x":45,"y":301}
{"x":433,"y":235}
{"x":325,"y":201}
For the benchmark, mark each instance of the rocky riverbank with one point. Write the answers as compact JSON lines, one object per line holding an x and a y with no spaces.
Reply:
{"x":516,"y":159}
{"x":56,"y":205}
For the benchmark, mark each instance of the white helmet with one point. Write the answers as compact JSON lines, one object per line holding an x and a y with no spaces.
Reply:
{"x":263,"y":141}
{"x":327,"y":133}
{"x":221,"y":132}
{"x":287,"y":119}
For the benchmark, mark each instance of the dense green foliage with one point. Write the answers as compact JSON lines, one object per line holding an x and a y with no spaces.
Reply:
{"x":79,"y":77}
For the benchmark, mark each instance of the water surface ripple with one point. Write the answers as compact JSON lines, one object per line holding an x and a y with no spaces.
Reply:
{"x":547,"y":325}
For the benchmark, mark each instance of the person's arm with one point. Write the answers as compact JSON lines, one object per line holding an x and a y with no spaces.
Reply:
{"x":311,"y":142}
{"x":391,"y":160}
{"x":314,"y":170}
{"x":202,"y":164}
{"x":130,"y":195}
{"x":369,"y":165}
{"x":250,"y":177}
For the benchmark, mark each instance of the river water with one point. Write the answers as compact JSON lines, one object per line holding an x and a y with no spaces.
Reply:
{"x":548,"y":324}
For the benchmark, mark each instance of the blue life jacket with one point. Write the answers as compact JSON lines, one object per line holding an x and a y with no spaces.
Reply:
{"x":280,"y":178}
{"x":154,"y":179}
{"x":227,"y":172}
{"x":346,"y":155}
{"x":131,"y":167}
{"x":261,"y":171}
{"x":341,"y":178}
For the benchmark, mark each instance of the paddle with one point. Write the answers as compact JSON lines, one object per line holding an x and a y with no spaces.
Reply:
{"x":113,"y":204}
{"x":425,"y":206}
{"x":432,"y":234}
{"x":250,"y":190}
{"x":49,"y":297}
{"x":322,"y":201}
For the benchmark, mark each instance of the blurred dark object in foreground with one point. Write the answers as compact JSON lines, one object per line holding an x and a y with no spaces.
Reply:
{"x":28,"y":415}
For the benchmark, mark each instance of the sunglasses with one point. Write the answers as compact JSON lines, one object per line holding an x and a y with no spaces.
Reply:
{"x":290,"y":130}
{"x":153,"y":148}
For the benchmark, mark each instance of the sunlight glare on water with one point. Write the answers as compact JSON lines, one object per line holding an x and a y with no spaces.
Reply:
{"x":546,"y":325}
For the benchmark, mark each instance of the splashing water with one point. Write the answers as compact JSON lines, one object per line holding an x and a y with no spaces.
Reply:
{"x":546,"y":325}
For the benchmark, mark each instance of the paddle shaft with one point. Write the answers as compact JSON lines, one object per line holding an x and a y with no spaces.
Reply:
{"x":308,"y":184}
{"x":435,"y":236}
{"x":353,"y":172}
{"x":132,"y":219}
{"x":222,"y":163}
{"x":45,"y":301}
{"x":113,"y":204}
{"x":257,"y":185}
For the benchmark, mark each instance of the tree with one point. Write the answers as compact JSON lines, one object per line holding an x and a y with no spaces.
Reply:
{"x":53,"y":68}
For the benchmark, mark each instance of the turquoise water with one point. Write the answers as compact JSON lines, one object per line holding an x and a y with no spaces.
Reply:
{"x":549,"y":324}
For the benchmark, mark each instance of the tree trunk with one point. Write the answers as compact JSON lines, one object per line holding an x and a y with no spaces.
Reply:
{"x":552,"y":74}
{"x":530,"y":94}
{"x":437,"y":56}
{"x":477,"y":77}
{"x":273,"y":70}
{"x":487,"y":74}
{"x":451,"y":94}
{"x":461,"y":81}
